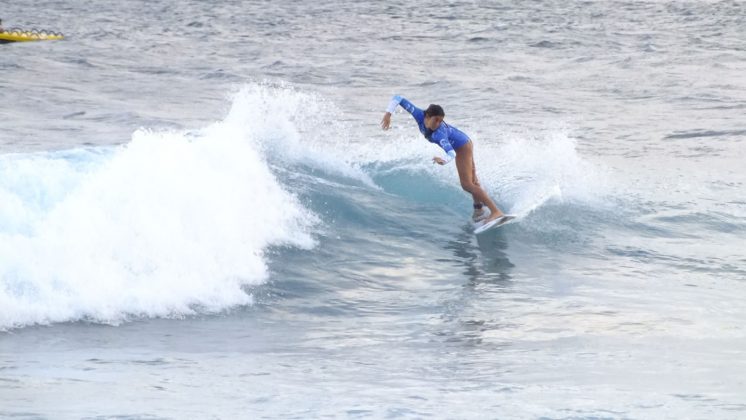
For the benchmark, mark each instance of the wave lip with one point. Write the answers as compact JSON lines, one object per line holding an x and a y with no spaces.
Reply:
{"x":170,"y":224}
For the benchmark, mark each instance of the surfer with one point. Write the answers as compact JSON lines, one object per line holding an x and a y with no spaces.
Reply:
{"x":456,"y":144}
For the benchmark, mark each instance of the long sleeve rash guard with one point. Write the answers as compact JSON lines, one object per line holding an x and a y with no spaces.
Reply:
{"x":448,"y":137}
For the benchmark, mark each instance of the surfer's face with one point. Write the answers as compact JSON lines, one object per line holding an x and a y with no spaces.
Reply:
{"x":433,"y":122}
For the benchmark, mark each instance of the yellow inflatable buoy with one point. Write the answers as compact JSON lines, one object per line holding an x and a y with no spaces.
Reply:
{"x":20,"y":35}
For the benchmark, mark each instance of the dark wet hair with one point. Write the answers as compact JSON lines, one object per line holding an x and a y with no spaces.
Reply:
{"x":435,"y":111}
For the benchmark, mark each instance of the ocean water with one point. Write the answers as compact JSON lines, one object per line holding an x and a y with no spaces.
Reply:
{"x":200,"y":216}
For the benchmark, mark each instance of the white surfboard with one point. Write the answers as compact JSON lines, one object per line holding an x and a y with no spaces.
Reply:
{"x":500,"y":221}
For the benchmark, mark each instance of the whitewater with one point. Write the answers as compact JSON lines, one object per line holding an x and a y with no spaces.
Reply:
{"x":202,"y":218}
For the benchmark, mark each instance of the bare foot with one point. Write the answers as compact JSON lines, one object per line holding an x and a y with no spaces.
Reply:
{"x":493,"y":216}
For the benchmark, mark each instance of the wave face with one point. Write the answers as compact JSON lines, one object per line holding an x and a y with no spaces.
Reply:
{"x":175,"y":223}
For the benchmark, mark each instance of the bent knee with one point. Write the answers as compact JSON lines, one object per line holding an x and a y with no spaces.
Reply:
{"x":469,"y":186}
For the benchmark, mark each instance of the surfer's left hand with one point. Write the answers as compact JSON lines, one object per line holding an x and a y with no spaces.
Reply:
{"x":386,"y":121}
{"x":439,"y":161}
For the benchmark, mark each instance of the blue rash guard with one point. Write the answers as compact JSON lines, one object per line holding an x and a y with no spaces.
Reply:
{"x":447,"y":137}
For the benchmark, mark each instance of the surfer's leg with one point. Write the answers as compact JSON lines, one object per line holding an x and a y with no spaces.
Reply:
{"x":474,"y":175}
{"x":467,"y":176}
{"x":479,"y":213}
{"x":474,"y":169}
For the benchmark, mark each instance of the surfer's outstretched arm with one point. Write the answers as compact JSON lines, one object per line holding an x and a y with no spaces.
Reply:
{"x":397,"y":100}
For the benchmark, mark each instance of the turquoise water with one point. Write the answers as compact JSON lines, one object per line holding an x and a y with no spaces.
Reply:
{"x":200,"y":217}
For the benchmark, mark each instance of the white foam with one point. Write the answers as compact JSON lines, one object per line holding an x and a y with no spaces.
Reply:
{"x":170,"y":223}
{"x":297,"y":128}
{"x":530,"y":171}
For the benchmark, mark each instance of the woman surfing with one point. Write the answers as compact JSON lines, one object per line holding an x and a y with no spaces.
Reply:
{"x":457,"y":145}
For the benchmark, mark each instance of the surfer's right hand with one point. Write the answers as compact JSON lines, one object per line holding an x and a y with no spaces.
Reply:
{"x":386,"y":121}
